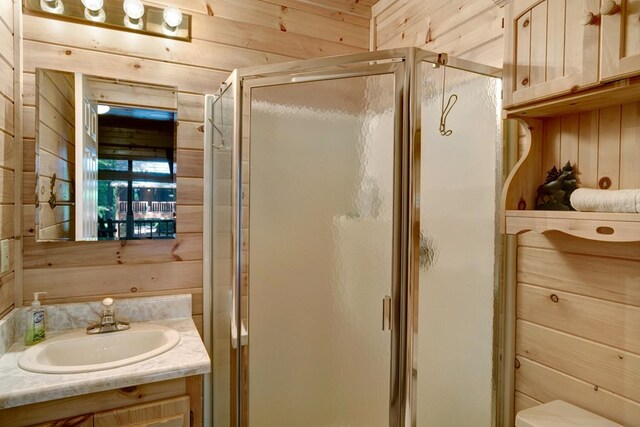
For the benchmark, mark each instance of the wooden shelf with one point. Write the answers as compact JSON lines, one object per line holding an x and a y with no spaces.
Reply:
{"x":606,"y":95}
{"x":606,"y":227}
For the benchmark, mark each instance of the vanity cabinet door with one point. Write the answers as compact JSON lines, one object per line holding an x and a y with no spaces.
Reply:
{"x":620,"y":39}
{"x":552,"y":48}
{"x":172,"y":412}
{"x":77,"y":421}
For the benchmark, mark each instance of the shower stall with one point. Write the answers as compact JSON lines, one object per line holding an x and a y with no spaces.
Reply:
{"x":350,"y":242}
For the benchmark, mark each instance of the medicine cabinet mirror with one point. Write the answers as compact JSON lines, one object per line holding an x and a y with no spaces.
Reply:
{"x":105,"y":156}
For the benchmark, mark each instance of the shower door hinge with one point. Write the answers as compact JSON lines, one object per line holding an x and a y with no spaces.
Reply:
{"x":386,"y":313}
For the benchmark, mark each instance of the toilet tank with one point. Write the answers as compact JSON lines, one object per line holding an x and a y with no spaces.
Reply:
{"x":560,"y":414}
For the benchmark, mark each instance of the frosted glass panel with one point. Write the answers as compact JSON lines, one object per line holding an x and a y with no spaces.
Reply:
{"x":457,"y":278}
{"x":320,"y":253}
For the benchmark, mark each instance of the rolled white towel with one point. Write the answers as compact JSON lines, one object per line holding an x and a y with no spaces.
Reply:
{"x":619,"y":201}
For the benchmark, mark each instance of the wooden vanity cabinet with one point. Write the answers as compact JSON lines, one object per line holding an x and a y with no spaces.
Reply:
{"x":171,"y":403}
{"x":552,"y":48}
{"x":172,"y":412}
{"x":620,"y":53}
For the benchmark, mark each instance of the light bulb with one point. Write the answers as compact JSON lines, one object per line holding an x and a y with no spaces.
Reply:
{"x":172,"y":17}
{"x":93,"y":10}
{"x":52,"y":6}
{"x":93,"y":5}
{"x":134,"y":9}
{"x":103,"y":109}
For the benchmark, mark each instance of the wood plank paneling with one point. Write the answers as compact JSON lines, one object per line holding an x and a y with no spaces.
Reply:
{"x":98,"y":280}
{"x":111,"y":65}
{"x":522,"y":402}
{"x":609,"y":146}
{"x":199,"y":53}
{"x":6,"y":80}
{"x":610,"y":279}
{"x":187,"y":247}
{"x":630,"y":146}
{"x":600,"y":143}
{"x":7,"y":291}
{"x":466,"y":29}
{"x":613,"y":324}
{"x":9,"y":181}
{"x":588,"y":150}
{"x":6,"y":44}
{"x":6,"y":151}
{"x":545,"y":384}
{"x":538,"y":51}
{"x":611,"y":368}
{"x":560,"y":242}
{"x":578,"y":327}
{"x":6,"y":14}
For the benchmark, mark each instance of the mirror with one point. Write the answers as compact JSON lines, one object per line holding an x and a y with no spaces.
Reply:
{"x":105,"y":158}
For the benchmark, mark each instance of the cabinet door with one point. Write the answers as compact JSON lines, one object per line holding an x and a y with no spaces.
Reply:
{"x":620,"y":55}
{"x":172,"y":412}
{"x":552,"y":48}
{"x":78,"y":421}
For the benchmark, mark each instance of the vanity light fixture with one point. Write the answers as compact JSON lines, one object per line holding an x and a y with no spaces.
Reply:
{"x":134,"y":10}
{"x":133,"y":16}
{"x":52,"y":6}
{"x":93,"y":10}
{"x":172,"y":20}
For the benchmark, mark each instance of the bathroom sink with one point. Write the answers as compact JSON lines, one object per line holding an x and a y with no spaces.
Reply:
{"x":78,"y":352}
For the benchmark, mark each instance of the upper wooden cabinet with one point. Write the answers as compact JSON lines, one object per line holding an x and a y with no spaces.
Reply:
{"x":620,"y":56}
{"x":552,"y":48}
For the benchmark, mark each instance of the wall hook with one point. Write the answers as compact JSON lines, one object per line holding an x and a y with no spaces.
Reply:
{"x":446,"y":109}
{"x":53,"y":198}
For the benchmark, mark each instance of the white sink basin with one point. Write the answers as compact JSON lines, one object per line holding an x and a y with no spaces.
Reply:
{"x":79,"y":352}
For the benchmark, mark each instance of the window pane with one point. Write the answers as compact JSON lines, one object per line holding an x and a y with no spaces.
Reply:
{"x":112,"y":165}
{"x":152,"y":167}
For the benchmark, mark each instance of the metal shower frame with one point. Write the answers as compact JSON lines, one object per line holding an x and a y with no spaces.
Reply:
{"x":404,"y":64}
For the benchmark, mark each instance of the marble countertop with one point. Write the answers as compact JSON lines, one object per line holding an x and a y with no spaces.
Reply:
{"x":189,"y":357}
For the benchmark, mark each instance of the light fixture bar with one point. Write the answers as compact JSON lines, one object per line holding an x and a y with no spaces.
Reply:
{"x":128,"y":15}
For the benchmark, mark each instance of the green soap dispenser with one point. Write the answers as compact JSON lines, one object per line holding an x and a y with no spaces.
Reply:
{"x":36,"y":321}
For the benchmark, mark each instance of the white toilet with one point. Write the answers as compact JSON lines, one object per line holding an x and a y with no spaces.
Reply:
{"x":560,"y":414}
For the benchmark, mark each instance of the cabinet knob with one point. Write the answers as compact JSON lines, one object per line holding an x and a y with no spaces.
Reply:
{"x":609,"y":7}
{"x":589,"y":19}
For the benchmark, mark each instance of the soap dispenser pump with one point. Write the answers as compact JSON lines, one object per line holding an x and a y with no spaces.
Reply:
{"x":36,"y":321}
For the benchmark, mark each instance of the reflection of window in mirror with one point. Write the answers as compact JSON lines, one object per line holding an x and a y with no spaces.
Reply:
{"x":136,"y":173}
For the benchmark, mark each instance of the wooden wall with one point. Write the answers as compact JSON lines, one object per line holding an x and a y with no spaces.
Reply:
{"x":8,"y":129}
{"x":578,"y":325}
{"x":468,"y":29}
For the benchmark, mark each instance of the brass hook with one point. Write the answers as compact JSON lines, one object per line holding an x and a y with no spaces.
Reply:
{"x":53,"y":198}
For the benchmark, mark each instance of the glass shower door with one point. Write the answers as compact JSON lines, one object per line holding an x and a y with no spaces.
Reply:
{"x":318,"y":196}
{"x":460,"y":169}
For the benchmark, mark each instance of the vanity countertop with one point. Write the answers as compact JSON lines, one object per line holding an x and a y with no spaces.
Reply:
{"x":19,"y":387}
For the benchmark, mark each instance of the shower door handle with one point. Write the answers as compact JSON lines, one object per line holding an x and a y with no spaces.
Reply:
{"x":386,"y":313}
{"x":244,"y":334}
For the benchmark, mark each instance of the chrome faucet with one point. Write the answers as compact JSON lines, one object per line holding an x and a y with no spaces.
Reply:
{"x":108,"y":321}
